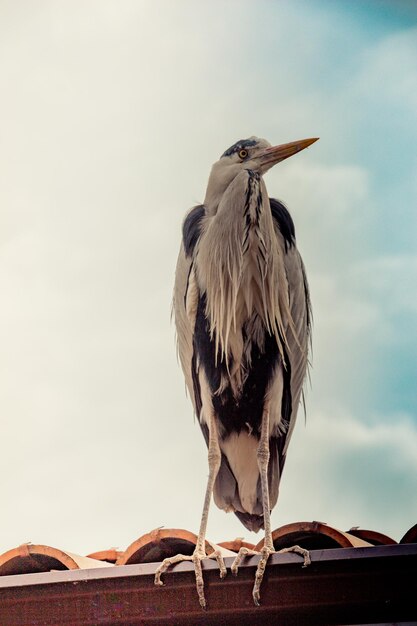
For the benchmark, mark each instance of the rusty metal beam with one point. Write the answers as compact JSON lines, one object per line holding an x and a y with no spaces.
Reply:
{"x":342,"y":586}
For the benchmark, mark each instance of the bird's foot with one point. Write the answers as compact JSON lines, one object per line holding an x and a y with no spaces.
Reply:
{"x":265,"y":553}
{"x":197,"y":557}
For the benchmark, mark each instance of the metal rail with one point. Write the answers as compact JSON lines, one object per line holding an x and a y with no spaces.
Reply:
{"x":342,"y":586}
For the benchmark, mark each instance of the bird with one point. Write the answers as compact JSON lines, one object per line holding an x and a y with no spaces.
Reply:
{"x":243,"y":322}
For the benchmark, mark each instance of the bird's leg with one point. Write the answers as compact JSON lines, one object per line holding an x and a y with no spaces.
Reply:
{"x":214,"y":459}
{"x":268,"y":547}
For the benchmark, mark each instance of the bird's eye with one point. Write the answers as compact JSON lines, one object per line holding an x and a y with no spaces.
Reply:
{"x":243,"y":154}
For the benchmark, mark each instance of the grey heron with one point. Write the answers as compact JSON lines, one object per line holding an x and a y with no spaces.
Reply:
{"x":243,"y":321}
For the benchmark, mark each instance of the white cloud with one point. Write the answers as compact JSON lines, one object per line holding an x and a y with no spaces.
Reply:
{"x":359,"y":473}
{"x":390,"y":67}
{"x":330,"y":205}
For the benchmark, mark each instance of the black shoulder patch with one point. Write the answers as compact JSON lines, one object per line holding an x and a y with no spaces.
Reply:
{"x":191,"y":228}
{"x":284,"y":222}
{"x":196,"y":386}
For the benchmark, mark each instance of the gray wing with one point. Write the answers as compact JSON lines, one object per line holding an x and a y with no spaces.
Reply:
{"x":185,"y":300}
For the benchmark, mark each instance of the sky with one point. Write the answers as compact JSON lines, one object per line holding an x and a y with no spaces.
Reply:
{"x":112,"y":115}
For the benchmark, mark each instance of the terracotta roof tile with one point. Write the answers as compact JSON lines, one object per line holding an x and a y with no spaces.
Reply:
{"x":31,"y":559}
{"x":372,"y":536}
{"x":236,"y":544}
{"x":110,"y":555}
{"x":159,"y":543}
{"x":410,"y":536}
{"x":312,"y":536}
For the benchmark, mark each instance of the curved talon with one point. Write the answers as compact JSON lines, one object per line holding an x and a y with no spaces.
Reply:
{"x":220,"y":562}
{"x":260,"y":571}
{"x":301,"y":551}
{"x":265,"y":553}
{"x":197,"y":557}
{"x":243,"y":552}
{"x":166,"y":563}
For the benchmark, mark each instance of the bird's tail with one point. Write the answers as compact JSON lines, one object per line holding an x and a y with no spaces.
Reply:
{"x":227,"y":496}
{"x":251,"y":521}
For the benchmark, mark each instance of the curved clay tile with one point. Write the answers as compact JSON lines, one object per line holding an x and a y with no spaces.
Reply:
{"x":312,"y":536}
{"x":110,"y":556}
{"x":31,"y":559}
{"x":372,"y":536}
{"x":410,"y":536}
{"x":236,"y":544}
{"x":160,"y":544}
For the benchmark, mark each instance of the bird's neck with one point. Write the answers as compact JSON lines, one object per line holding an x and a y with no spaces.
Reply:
{"x":220,"y":179}
{"x":239,"y":265}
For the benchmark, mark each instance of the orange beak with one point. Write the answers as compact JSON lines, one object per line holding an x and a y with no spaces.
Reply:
{"x":273,"y":155}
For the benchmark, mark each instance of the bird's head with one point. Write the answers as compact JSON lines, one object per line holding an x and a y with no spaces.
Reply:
{"x":247,"y":154}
